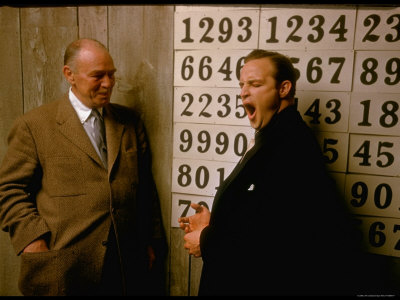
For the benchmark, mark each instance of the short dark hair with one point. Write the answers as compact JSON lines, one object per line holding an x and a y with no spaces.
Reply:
{"x":284,"y":69}
{"x":75,"y":47}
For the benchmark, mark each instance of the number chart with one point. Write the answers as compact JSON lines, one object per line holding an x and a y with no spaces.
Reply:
{"x":347,"y":59}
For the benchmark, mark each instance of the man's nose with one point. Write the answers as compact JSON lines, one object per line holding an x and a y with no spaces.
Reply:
{"x":244,"y":92}
{"x":107,"y":81}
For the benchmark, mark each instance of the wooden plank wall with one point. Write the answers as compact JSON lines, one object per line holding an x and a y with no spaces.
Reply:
{"x":31,"y":59}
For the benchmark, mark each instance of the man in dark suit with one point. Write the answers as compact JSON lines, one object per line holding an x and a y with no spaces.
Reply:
{"x":277,"y":225}
{"x":77,"y":199}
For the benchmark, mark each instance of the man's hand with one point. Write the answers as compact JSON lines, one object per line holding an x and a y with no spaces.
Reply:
{"x":39,"y":245}
{"x":193,"y":226}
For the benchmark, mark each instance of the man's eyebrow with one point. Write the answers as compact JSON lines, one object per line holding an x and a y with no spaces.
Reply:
{"x":251,"y":81}
{"x":103,"y":71}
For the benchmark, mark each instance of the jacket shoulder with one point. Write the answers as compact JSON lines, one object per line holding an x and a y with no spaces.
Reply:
{"x":44,"y":110}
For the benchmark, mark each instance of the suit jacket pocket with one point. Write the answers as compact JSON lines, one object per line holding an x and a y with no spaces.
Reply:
{"x":47,"y":273}
{"x":64,"y":176}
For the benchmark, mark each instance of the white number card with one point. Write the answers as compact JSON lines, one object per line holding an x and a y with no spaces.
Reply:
{"x":211,"y":142}
{"x":376,"y":71}
{"x":329,"y":70}
{"x":334,"y":146}
{"x":378,"y":155}
{"x":324,"y":111}
{"x":181,"y":206}
{"x":211,"y":68}
{"x":378,"y":28}
{"x":209,"y":105}
{"x":380,"y":235}
{"x":199,"y":177}
{"x":373,"y":195}
{"x":375,"y":113}
{"x":233,"y":29}
{"x":291,"y":28}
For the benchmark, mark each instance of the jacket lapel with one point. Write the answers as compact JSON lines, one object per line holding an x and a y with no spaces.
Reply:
{"x":114,"y":130}
{"x":72,"y":129}
{"x":238,"y":168}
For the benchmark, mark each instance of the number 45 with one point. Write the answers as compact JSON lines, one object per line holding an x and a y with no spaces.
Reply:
{"x":364,"y":153}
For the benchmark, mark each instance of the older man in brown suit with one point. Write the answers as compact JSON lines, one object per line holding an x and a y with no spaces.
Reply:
{"x":82,"y":225}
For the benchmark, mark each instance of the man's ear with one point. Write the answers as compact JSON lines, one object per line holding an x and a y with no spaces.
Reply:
{"x":284,"y":89}
{"x":68,"y":74}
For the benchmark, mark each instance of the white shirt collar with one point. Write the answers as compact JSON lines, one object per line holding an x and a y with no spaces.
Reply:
{"x":81,"y":109}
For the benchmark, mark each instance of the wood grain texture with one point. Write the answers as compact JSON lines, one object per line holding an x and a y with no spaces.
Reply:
{"x":45,"y":33}
{"x":143,"y":55}
{"x":92,"y":22}
{"x":179,"y":265}
{"x":142,"y":49}
{"x":11,"y":106}
{"x":195,"y":273}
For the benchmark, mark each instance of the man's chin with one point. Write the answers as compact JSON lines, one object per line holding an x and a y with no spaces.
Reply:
{"x":103,"y":100}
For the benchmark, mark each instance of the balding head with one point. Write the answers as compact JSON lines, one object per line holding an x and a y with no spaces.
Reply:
{"x":73,"y":50}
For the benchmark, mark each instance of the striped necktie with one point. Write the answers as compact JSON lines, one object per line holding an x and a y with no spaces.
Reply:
{"x":99,"y":136}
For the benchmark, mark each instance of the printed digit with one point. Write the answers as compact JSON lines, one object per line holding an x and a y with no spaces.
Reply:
{"x":340,"y":61}
{"x":203,"y":112}
{"x":273,"y":38}
{"x":335,"y":110}
{"x":365,"y":122}
{"x":378,"y":193}
{"x":314,"y":70}
{"x":340,"y":29}
{"x":209,"y":23}
{"x":334,"y":152}
{"x":389,"y":156}
{"x":203,"y":68}
{"x":369,"y":70}
{"x":239,"y":106}
{"x":186,"y":137}
{"x":187,"y":38}
{"x":389,"y":37}
{"x":187,"y":68}
{"x":240,"y":137}
{"x":225,"y":105}
{"x":391,"y":71}
{"x":373,"y":20}
{"x":225,"y":22}
{"x":396,"y":227}
{"x":359,"y":190}
{"x":247,"y":22}
{"x":186,"y":209}
{"x":318,"y":28}
{"x":202,"y":181}
{"x":376,"y":237}
{"x":190,"y":98}
{"x":184,"y":173}
{"x":222,"y":140}
{"x":204,"y":138}
{"x":363,"y":152}
{"x":226,"y":69}
{"x":389,"y":113}
{"x":313,"y":112}
{"x":292,"y":36}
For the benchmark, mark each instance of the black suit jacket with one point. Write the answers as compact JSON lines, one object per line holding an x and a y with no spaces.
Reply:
{"x":277,"y":225}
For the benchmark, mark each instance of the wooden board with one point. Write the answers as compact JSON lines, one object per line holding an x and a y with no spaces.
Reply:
{"x":11,"y":106}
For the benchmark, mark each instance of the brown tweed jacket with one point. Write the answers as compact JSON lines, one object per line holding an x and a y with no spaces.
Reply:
{"x":53,"y":183}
